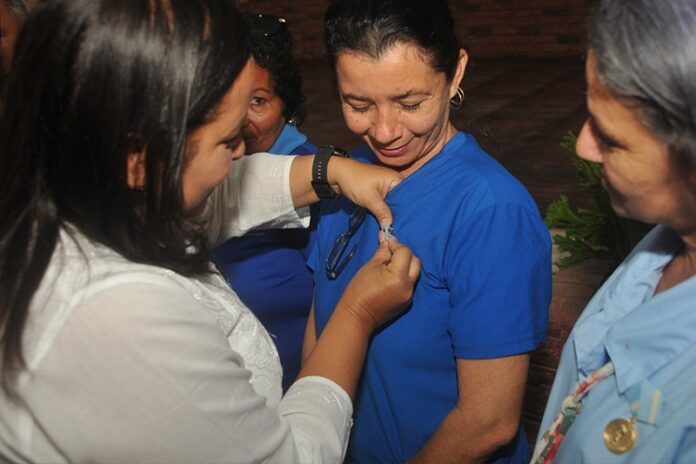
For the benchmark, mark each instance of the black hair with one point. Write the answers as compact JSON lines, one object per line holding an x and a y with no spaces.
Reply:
{"x":18,"y":8}
{"x":95,"y":80}
{"x":272,"y":47}
{"x":374,"y":26}
{"x":645,"y":55}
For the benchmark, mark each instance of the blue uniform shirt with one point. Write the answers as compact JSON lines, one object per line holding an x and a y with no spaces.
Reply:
{"x":483,"y":292}
{"x":648,"y":338}
{"x":268,"y":271}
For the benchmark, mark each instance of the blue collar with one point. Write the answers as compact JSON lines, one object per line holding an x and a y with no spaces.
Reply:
{"x":624,"y":322}
{"x":289,"y":139}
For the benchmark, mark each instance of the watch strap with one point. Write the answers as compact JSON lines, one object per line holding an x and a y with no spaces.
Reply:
{"x":320,"y":181}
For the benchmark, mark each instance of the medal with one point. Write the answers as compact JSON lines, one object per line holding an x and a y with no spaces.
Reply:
{"x":620,"y":435}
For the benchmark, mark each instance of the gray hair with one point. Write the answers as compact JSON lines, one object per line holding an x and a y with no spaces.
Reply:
{"x":18,"y":8}
{"x":645,"y":52}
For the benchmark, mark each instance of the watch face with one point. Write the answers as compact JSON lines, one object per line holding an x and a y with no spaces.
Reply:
{"x":331,"y":150}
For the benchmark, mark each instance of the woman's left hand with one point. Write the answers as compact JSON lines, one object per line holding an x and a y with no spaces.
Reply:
{"x":364,"y":184}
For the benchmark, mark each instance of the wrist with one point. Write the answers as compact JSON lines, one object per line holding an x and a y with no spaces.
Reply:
{"x":324,"y":171}
{"x":358,"y":316}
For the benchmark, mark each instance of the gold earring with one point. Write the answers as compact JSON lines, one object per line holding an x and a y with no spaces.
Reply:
{"x":457,"y":101}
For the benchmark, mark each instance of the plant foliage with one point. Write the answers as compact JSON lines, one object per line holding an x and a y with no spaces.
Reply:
{"x":596,"y":232}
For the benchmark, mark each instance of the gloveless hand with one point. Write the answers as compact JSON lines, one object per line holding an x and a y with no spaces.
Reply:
{"x":364,"y":184}
{"x":382,"y":287}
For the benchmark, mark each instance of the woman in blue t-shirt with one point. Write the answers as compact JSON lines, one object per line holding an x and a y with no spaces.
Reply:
{"x":268,"y":268}
{"x":445,"y":381}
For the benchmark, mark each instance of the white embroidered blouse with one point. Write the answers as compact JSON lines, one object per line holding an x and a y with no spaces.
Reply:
{"x":129,"y":363}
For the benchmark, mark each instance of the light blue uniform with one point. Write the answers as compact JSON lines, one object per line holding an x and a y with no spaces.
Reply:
{"x":652,"y":341}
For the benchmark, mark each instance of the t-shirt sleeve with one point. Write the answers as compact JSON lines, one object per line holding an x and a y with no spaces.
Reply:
{"x":142,"y":373}
{"x":499,"y":277}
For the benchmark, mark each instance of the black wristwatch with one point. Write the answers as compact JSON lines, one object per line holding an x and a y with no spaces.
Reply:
{"x":320,"y":181}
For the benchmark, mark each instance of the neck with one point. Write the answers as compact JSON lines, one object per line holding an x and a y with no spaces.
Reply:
{"x":689,"y":251}
{"x":682,"y":266}
{"x":449,"y":131}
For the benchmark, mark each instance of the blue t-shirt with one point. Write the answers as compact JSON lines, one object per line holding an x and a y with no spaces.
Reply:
{"x":483,"y":292}
{"x":268,"y":271}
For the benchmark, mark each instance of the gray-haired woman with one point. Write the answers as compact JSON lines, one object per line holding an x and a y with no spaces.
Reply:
{"x":627,"y":377}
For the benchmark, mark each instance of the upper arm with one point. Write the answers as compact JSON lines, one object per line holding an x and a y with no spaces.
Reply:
{"x":492,"y":390}
{"x":498,"y":271}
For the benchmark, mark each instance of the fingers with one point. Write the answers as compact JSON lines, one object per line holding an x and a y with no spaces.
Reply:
{"x":402,"y":259}
{"x":414,"y":268}
{"x":383,"y":254}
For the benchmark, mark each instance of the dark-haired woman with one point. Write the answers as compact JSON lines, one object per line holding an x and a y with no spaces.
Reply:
{"x":625,"y":388}
{"x":268,"y":268}
{"x":444,"y":382}
{"x":122,"y":157}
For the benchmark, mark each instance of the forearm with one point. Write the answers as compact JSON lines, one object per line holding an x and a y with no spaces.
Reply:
{"x":339,"y":354}
{"x":465,"y":438}
{"x":310,"y":336}
{"x":487,"y":414}
{"x":301,"y":181}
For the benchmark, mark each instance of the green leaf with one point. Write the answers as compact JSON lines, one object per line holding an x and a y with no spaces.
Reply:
{"x":596,"y":232}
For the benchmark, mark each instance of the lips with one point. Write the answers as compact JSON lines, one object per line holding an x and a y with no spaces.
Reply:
{"x":391,"y":152}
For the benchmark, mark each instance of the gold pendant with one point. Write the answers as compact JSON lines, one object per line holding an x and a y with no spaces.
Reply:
{"x":620,"y":435}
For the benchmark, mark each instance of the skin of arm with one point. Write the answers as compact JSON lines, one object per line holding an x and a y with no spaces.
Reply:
{"x":310,"y":336}
{"x":376,"y":293}
{"x":364,"y":184}
{"x":487,"y":414}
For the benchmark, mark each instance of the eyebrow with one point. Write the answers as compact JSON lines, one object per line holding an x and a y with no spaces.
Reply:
{"x":263,"y":89}
{"x":410,"y":93}
{"x":601,"y":133}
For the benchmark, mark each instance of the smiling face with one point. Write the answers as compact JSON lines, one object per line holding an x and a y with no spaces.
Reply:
{"x":212,"y":147}
{"x":641,"y":177}
{"x":397,"y":103}
{"x":265,"y":120}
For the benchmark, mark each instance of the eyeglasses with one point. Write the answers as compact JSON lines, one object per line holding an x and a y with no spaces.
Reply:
{"x":264,"y":26}
{"x":334,"y":263}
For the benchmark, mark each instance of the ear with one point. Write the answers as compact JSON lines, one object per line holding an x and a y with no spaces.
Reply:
{"x":459,"y":72}
{"x":136,"y":170}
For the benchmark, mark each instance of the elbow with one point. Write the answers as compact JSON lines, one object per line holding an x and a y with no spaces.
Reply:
{"x":501,"y":432}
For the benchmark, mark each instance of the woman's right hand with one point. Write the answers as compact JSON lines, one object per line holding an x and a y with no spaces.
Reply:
{"x":382,"y":287}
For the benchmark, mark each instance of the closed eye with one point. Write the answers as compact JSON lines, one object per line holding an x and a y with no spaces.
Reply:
{"x":412,"y":107}
{"x":359,"y":109}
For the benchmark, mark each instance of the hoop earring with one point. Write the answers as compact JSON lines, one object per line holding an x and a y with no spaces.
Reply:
{"x":457,"y":101}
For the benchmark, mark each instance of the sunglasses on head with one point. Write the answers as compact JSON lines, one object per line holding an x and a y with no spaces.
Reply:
{"x":265,"y":26}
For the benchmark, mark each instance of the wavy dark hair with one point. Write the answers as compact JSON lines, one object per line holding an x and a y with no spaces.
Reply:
{"x":374,"y":26}
{"x":93,"y":81}
{"x":18,"y":8}
{"x":272,"y":47}
{"x":646,"y":56}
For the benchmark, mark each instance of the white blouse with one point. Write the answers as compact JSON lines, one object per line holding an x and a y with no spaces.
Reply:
{"x":130,"y":363}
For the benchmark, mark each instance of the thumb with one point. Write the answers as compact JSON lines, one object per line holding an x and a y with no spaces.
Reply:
{"x":383,"y":254}
{"x":381,"y":212}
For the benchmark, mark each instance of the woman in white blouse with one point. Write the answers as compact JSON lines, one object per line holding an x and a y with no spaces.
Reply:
{"x":120,"y":163}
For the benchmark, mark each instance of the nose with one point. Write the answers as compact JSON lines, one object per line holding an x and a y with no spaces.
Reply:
{"x":587,"y":146}
{"x":385,"y":127}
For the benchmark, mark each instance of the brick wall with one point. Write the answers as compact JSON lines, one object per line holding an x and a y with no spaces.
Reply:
{"x":488,"y":28}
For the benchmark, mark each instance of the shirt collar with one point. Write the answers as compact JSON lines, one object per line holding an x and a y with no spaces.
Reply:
{"x":625,"y":323}
{"x":289,"y":139}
